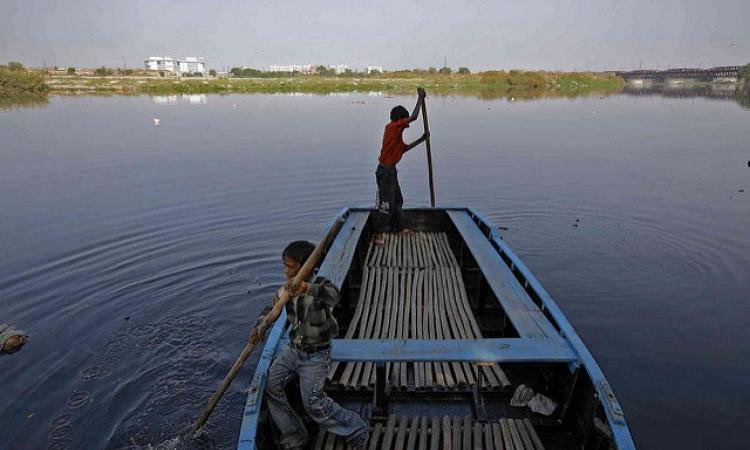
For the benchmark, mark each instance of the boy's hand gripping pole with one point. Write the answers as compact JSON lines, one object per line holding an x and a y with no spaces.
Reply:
{"x":269,"y":320}
{"x":429,"y":151}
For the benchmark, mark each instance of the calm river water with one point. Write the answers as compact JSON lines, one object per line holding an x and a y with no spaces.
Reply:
{"x":137,"y":256}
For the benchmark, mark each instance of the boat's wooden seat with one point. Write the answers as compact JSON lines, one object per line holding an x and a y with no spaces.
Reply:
{"x":412,"y":288}
{"x":442,"y":433}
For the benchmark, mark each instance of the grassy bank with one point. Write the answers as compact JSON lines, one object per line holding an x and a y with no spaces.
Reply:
{"x":486,"y":85}
{"x":15,"y":81}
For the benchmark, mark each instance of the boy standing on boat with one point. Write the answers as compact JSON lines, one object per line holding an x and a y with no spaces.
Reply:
{"x":308,"y":355}
{"x":390,"y":200}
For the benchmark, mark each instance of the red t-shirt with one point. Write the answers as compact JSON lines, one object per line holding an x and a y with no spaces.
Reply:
{"x":393,"y":142}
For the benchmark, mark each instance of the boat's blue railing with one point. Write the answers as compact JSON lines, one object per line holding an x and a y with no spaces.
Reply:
{"x":612,"y":408}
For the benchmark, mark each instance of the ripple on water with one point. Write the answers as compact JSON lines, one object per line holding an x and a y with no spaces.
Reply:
{"x":628,"y":246}
{"x":64,"y":444}
{"x":96,"y":372}
{"x":77,"y":399}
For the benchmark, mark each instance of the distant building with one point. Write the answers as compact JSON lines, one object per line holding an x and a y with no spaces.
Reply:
{"x":190,"y":64}
{"x":340,"y":68}
{"x":193,"y":64}
{"x":301,"y":68}
{"x":371,"y":69}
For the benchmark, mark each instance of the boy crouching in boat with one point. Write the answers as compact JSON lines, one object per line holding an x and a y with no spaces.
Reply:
{"x":308,"y":356}
{"x":390,"y":200}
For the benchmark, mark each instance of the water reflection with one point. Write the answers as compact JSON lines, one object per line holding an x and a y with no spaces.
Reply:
{"x":33,"y":101}
{"x":192,"y":99}
{"x":727,"y":92}
{"x":724,"y":92}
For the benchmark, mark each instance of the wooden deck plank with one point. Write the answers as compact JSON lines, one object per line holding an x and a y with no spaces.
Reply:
{"x":375,"y":329}
{"x":440,"y":379}
{"x":405,"y":305}
{"x":446,"y":433}
{"x":411,"y":443}
{"x":419,"y":375}
{"x":420,"y":250}
{"x":393,"y":309}
{"x":375,"y":437}
{"x":497,"y":437}
{"x":390,"y":429}
{"x":414,"y":316}
{"x":453,"y":326}
{"x":446,"y":319}
{"x":456,"y":432}
{"x":489,"y":443}
{"x":440,"y":327}
{"x":402,"y":303}
{"x":532,"y":433}
{"x":527,"y":442}
{"x":354,"y":325}
{"x":403,"y":425}
{"x":467,"y":431}
{"x":513,"y":299}
{"x":477,"y":440}
{"x":318,"y":445}
{"x":507,"y":439}
{"x":351,"y":373}
{"x":387,"y":314}
{"x":330,"y":441}
{"x":467,"y":326}
{"x":423,"y":433}
{"x":517,"y":442}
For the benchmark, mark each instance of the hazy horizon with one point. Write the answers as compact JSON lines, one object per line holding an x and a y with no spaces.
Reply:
{"x":569,"y":35}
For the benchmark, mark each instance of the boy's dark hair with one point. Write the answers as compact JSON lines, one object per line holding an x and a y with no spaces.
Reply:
{"x":398,"y":113}
{"x":298,"y":251}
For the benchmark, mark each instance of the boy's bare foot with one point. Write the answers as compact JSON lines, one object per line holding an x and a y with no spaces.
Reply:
{"x":379,"y":240}
{"x":407,"y":231}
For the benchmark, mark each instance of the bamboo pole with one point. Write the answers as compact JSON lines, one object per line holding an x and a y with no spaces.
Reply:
{"x":268,"y":321}
{"x":429,"y":151}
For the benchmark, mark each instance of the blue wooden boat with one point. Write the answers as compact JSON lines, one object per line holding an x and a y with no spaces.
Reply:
{"x":437,"y":332}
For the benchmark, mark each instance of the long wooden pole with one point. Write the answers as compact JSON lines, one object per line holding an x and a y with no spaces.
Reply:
{"x":429,"y":151}
{"x":268,"y":321}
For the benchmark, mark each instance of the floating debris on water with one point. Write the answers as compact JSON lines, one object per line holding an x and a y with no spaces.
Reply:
{"x":156,"y":122}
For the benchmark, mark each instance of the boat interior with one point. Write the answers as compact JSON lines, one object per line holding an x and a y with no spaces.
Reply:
{"x":438,"y":329}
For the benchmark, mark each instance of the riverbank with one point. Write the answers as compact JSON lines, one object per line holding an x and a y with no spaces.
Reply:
{"x":15,"y":81}
{"x":519,"y":84}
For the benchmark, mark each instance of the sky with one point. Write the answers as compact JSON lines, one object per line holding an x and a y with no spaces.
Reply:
{"x":403,"y":34}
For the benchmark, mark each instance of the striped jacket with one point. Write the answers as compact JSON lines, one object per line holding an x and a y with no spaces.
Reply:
{"x":310,"y":315}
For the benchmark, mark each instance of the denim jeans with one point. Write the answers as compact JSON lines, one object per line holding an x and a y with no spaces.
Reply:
{"x":311,"y":369}
{"x":389,"y":202}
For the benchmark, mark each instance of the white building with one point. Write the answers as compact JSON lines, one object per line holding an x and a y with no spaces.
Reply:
{"x":371,"y":69}
{"x":193,"y":64}
{"x":190,"y":64}
{"x":301,"y":68}
{"x":340,"y":68}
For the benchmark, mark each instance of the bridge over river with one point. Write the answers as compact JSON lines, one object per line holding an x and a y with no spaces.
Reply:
{"x":720,"y":73}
